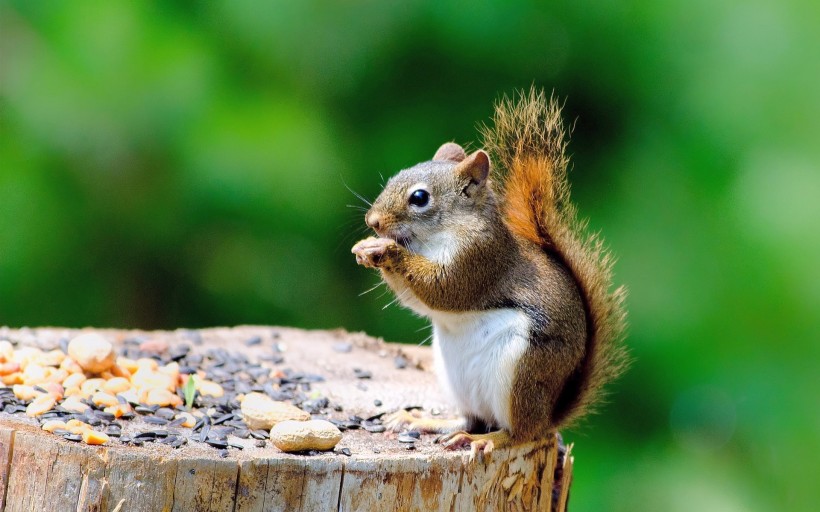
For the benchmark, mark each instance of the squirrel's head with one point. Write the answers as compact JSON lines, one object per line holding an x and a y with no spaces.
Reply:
{"x":428,"y":207}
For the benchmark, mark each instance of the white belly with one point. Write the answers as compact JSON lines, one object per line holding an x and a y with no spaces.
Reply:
{"x":476,"y":354}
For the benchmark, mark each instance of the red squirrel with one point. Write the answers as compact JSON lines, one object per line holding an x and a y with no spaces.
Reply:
{"x":526,"y":328}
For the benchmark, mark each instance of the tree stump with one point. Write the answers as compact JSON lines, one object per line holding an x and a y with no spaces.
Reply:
{"x":367,"y":471}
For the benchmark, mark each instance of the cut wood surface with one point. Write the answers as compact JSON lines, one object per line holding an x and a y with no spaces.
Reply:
{"x":41,"y":471}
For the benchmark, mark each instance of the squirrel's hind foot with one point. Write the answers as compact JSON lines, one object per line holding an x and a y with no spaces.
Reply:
{"x":405,"y":420}
{"x":481,"y":445}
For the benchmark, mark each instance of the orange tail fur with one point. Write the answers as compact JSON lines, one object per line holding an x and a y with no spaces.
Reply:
{"x":527,"y":143}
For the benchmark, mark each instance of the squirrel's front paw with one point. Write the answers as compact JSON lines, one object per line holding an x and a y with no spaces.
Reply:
{"x":374,"y":252}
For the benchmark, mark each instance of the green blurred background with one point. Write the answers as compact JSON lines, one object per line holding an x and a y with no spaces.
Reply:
{"x":188,"y":163}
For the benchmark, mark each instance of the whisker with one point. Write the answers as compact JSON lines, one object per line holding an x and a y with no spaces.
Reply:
{"x":371,"y":289}
{"x":397,"y":299}
{"x":425,"y":340}
{"x":368,"y":203}
{"x":383,"y":293}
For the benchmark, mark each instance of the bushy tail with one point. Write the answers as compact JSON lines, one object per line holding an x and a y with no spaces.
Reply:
{"x":527,"y":145}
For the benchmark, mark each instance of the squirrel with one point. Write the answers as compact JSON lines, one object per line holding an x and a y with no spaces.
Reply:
{"x":526,"y":330}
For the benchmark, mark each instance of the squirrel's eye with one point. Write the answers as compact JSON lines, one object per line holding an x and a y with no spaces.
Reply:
{"x":419,"y":198}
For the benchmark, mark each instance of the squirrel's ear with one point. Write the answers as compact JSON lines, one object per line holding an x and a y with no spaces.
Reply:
{"x":474,"y":169}
{"x":450,"y":151}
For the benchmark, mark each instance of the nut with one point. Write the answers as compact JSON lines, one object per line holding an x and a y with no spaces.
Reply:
{"x":92,"y":352}
{"x":297,"y":436}
{"x":260,"y":411}
{"x":51,"y":358}
{"x":54,"y":389}
{"x":25,"y":392}
{"x":74,"y":404}
{"x":40,"y":405}
{"x":9,"y":368}
{"x":101,"y":398}
{"x":210,"y":388}
{"x":77,"y":426}
{"x":145,"y":379}
{"x":12,"y":378}
{"x":189,"y":422}
{"x":116,"y":385}
{"x":161,"y":397}
{"x":118,"y":410}
{"x":91,"y":386}
{"x":94,"y":437}
{"x":52,"y":425}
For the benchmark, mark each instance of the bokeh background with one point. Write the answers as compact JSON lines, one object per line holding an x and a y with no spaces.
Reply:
{"x":167,"y":164}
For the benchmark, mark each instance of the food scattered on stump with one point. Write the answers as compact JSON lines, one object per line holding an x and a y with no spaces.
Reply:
{"x":299,"y":436}
{"x":120,"y":388}
{"x":260,"y":411}
{"x":92,"y":352}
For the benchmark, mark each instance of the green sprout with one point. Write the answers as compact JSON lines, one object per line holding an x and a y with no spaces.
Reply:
{"x":189,"y":390}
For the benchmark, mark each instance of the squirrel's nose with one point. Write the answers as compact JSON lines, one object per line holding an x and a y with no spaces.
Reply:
{"x":374,"y":220}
